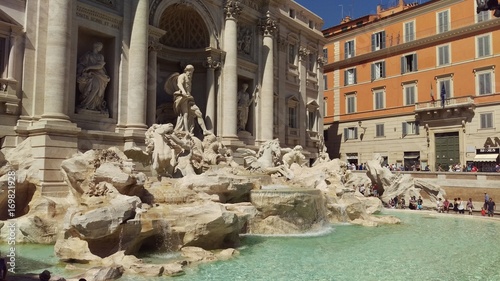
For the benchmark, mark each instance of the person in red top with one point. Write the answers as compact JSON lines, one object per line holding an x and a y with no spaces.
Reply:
{"x":474,"y":169}
{"x":446,"y":206}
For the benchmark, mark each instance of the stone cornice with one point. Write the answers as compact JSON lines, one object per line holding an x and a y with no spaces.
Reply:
{"x":433,"y":40}
{"x":93,"y":14}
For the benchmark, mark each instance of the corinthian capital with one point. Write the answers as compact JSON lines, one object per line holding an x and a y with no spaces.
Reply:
{"x":232,"y":9}
{"x":267,"y":25}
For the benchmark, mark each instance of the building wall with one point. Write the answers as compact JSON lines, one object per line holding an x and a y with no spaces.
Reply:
{"x":39,"y":96}
{"x":462,"y":113}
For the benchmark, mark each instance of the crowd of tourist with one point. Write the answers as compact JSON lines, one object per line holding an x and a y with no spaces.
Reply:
{"x":487,"y":167}
{"x":458,"y":205}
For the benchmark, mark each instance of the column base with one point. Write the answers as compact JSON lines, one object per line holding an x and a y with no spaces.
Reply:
{"x":135,"y":136}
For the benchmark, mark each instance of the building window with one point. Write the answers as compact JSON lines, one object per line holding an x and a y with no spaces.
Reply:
{"x":409,"y":63}
{"x":291,"y":13}
{"x":291,"y":54}
{"x":2,"y":56}
{"x":379,"y":130}
{"x":379,"y":99}
{"x":409,"y":94}
{"x":311,"y":60}
{"x":350,"y":76}
{"x":276,"y":113}
{"x":446,"y":85}
{"x":409,"y":31}
{"x":292,"y":116}
{"x":349,"y":49}
{"x":444,"y":55}
{"x":325,"y":82}
{"x":483,"y":15}
{"x":410,"y":128}
{"x":484,"y":82}
{"x":325,"y":106}
{"x":483,"y":46}
{"x":378,"y":70}
{"x":312,"y":121}
{"x":351,"y":103}
{"x":293,"y":104}
{"x":443,"y":21}
{"x":350,"y":133}
{"x":378,"y":41}
{"x":311,"y":24}
{"x":325,"y":54}
{"x":486,"y":120}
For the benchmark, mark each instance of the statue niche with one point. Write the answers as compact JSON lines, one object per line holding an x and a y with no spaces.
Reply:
{"x":92,"y":80}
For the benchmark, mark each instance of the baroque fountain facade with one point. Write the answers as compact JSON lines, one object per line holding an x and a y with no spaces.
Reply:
{"x":169,"y":134}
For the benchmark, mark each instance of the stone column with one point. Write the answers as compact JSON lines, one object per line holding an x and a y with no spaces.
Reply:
{"x":154,"y":47}
{"x":54,"y":138}
{"x":268,"y":26}
{"x":57,"y":60}
{"x":138,"y":67}
{"x":230,"y":84}
{"x":12,"y":57}
{"x":211,"y":65}
{"x":302,"y":114}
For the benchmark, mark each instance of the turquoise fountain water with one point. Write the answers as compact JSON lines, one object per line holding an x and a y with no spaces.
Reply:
{"x":423,"y":247}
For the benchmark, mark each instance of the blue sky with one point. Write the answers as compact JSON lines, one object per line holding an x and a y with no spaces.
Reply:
{"x":332,"y":10}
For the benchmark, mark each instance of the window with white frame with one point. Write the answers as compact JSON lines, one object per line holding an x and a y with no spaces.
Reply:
{"x":484,"y":82}
{"x":483,"y":46}
{"x":443,"y":55}
{"x":351,"y":103}
{"x":409,"y":63}
{"x":409,"y":31}
{"x":350,"y":133}
{"x":481,"y":16}
{"x":349,"y":49}
{"x":311,"y":60}
{"x":446,"y":85}
{"x":410,"y":128}
{"x":379,"y":130}
{"x":292,"y":113}
{"x":378,"y":99}
{"x":486,"y":120}
{"x":291,"y":54}
{"x":443,"y":19}
{"x":378,"y":70}
{"x":409,"y":91}
{"x":325,"y":54}
{"x":378,"y":41}
{"x":350,"y":76}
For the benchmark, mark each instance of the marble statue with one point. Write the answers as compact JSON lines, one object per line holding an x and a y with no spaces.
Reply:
{"x":294,"y":156}
{"x":92,"y":80}
{"x":244,"y":102}
{"x":266,"y":160}
{"x":179,"y":85}
{"x":245,"y":41}
{"x":162,"y":144}
{"x":213,"y":150}
{"x":322,"y":154}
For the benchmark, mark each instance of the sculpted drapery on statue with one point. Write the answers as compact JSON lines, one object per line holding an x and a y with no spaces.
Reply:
{"x":244,"y":102}
{"x":92,"y":80}
{"x":179,"y":85}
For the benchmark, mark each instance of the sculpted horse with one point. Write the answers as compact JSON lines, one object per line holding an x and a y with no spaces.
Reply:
{"x":266,"y":160}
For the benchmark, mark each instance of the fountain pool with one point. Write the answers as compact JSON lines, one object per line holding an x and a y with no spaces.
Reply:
{"x":423,"y":247}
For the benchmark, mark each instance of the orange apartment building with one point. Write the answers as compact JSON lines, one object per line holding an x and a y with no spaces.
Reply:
{"x":386,"y":73}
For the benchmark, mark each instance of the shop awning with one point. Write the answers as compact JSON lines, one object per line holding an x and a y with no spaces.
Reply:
{"x":411,"y":157}
{"x":491,"y":157}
